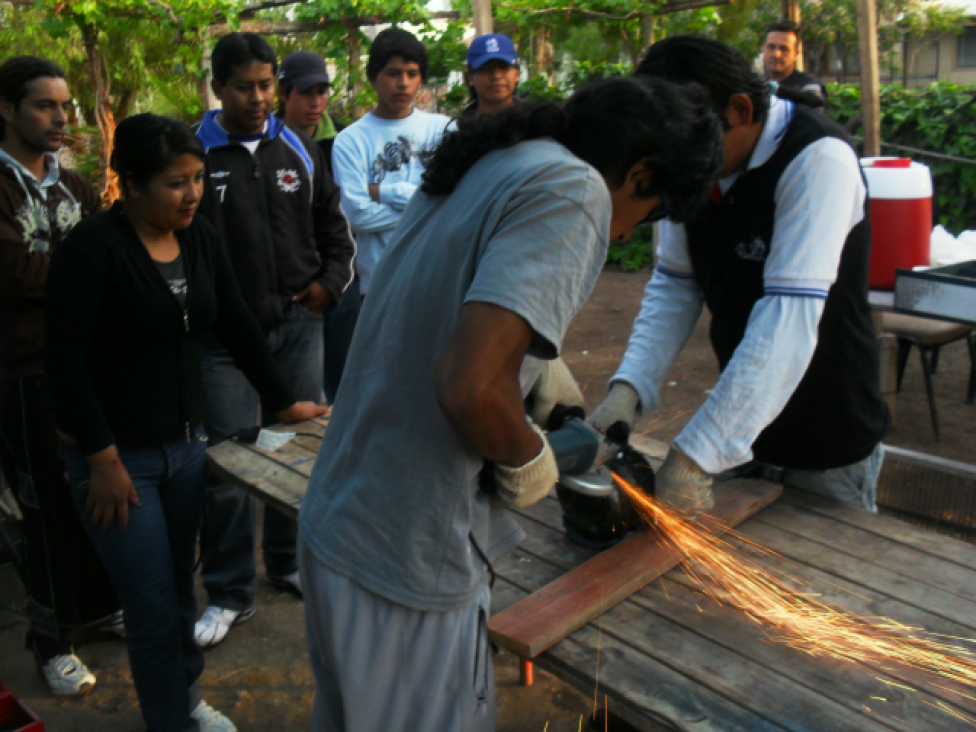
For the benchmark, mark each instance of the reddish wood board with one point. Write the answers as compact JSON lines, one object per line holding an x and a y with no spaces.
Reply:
{"x":545,"y":617}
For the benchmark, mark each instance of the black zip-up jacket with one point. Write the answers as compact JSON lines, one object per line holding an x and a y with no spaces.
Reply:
{"x":122,"y":355}
{"x":277,"y":212}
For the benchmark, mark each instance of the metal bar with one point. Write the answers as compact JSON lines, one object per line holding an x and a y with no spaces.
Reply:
{"x":941,"y":156}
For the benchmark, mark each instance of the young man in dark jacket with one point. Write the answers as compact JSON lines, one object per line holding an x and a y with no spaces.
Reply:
{"x":40,"y":202}
{"x":276,"y":208}
{"x":303,"y":93}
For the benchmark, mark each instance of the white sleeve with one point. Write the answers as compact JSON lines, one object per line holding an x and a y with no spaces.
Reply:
{"x":761,"y":377}
{"x":671,"y":308}
{"x":819,"y":199}
{"x":397,"y":195}
{"x":352,"y":176}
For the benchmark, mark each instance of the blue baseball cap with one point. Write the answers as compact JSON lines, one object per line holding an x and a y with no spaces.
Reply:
{"x":490,"y":47}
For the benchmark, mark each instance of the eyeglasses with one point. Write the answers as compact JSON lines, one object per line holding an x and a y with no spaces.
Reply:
{"x":659,"y":213}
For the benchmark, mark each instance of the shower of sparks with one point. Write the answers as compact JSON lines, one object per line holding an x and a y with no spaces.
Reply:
{"x":731,"y":576}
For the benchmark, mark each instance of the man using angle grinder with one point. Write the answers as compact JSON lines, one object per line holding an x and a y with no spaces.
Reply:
{"x":780,"y":256}
{"x":397,"y":532}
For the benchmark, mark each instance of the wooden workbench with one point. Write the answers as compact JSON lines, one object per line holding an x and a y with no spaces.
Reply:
{"x":670,"y":658}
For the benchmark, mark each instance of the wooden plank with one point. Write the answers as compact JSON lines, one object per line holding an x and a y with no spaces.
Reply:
{"x":853,"y":598}
{"x":270,"y":481}
{"x":560,"y":608}
{"x":846,"y":683}
{"x":292,"y":455}
{"x":700,"y":664}
{"x":651,"y":694}
{"x":897,"y":585}
{"x":943,"y":547}
{"x":873,"y":550}
{"x":553,"y":546}
{"x":546,"y":544}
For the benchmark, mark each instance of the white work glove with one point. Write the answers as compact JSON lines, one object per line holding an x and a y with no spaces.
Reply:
{"x":684,"y":486}
{"x":555,"y":385}
{"x":522,"y":486}
{"x":620,"y":406}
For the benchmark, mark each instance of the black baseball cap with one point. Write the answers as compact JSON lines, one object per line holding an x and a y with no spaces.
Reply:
{"x":303,"y":69}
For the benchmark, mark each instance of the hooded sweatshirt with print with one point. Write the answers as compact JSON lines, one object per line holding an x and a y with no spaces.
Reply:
{"x":35,"y":217}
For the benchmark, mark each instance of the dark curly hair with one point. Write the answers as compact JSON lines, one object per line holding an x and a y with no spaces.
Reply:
{"x":146,"y":144}
{"x":395,"y":42}
{"x":612,"y":125}
{"x":19,"y":71}
{"x":719,"y":68}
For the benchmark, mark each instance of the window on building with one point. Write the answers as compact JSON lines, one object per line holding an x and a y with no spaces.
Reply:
{"x":843,"y":62}
{"x":966,"y":48}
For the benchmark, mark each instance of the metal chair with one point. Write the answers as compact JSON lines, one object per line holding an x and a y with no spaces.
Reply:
{"x":929,"y":336}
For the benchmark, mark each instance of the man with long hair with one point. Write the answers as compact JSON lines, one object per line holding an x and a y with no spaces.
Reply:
{"x":429,"y":438}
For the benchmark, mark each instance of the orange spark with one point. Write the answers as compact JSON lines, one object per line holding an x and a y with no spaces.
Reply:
{"x":736,"y":576}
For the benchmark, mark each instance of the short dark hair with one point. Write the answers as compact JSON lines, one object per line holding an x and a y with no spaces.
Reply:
{"x":146,"y":144}
{"x":785,"y":26}
{"x":395,"y":42}
{"x":717,"y":67}
{"x":612,"y":125}
{"x":17,"y":72}
{"x":240,"y":50}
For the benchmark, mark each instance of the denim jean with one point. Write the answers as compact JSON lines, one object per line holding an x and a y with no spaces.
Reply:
{"x":228,"y":535}
{"x":337,"y":334}
{"x":151,"y":565}
{"x":67,"y":585}
{"x":855,"y":484}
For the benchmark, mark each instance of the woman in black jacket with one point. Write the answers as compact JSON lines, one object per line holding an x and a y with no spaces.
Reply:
{"x":131,"y":294}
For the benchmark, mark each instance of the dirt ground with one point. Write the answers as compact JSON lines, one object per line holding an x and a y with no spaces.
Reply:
{"x":260,"y":677}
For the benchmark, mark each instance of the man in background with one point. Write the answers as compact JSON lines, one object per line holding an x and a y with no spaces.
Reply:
{"x":379,"y":159}
{"x":780,"y":52}
{"x":492,"y":73}
{"x":40,"y":202}
{"x":303,"y":96}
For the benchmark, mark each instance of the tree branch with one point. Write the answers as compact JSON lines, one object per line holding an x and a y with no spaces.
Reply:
{"x":667,"y":8}
{"x":283,"y":27}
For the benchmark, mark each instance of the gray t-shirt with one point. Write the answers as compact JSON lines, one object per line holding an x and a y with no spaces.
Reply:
{"x":393,"y":502}
{"x":175,"y":275}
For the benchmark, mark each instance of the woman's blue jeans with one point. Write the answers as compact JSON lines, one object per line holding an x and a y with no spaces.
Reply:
{"x":151,"y":564}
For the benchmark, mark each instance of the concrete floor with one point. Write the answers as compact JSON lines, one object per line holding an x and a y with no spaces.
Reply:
{"x":259,"y":677}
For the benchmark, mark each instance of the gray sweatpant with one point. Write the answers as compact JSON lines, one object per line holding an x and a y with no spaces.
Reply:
{"x":383,"y":667}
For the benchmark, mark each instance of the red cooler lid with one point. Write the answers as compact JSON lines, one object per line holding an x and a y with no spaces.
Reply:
{"x":893,"y":163}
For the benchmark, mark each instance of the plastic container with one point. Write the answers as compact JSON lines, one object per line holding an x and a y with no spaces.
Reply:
{"x":15,"y":716}
{"x":901,"y":217}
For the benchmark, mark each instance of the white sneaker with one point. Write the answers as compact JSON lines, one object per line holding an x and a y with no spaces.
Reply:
{"x":115,"y":625}
{"x":216,"y":622}
{"x":210,"y":720}
{"x":288,"y":582}
{"x":68,"y":676}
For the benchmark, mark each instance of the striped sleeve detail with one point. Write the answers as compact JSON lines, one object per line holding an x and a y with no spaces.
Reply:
{"x":796,"y":292}
{"x":675,"y":273}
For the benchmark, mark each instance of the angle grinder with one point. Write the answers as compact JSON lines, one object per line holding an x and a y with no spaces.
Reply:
{"x":596,"y":513}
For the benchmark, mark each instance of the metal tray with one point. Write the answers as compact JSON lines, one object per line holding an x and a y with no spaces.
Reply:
{"x":946,"y":293}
